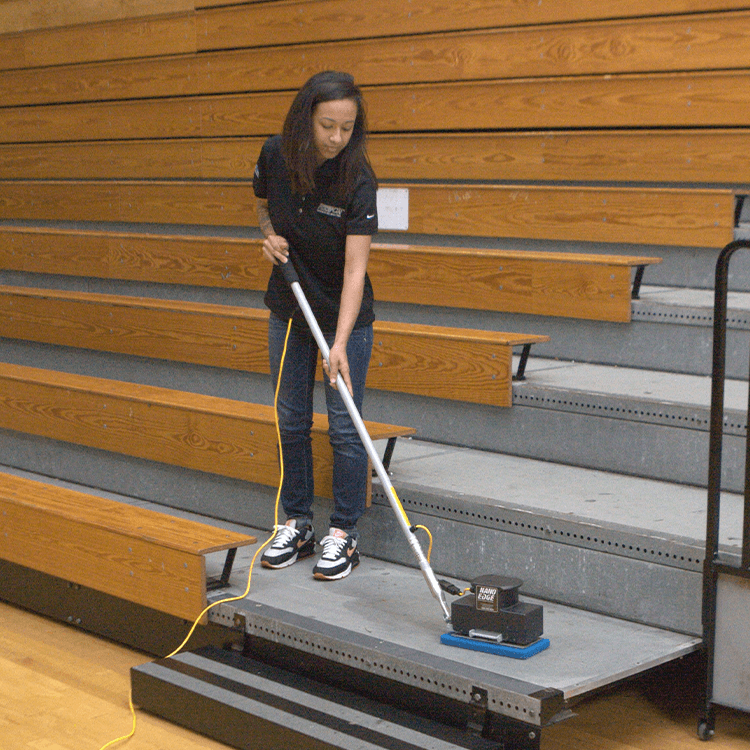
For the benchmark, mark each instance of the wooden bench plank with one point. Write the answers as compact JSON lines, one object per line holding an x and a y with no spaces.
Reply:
{"x":106,"y":40}
{"x":684,"y":100}
{"x":690,"y":156}
{"x":193,"y":431}
{"x":299,"y":22}
{"x":252,"y":25}
{"x":203,"y":261}
{"x":504,"y":280}
{"x":210,"y":203}
{"x":162,"y":159}
{"x":641,"y":216}
{"x":170,"y":581}
{"x":449,"y":363}
{"x":703,"y":42}
{"x":178,"y":118}
{"x":687,"y":156}
{"x":646,"y":101}
{"x":559,"y":284}
{"x":407,"y":358}
{"x":24,"y":15}
{"x":679,"y":216}
{"x":173,"y":532}
{"x":140,"y":555}
{"x":589,"y":8}
{"x":205,"y":334}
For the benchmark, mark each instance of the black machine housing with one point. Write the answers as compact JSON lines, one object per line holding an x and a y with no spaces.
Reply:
{"x":492,"y":611}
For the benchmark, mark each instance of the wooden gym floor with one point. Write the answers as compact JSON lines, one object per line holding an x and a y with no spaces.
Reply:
{"x":62,"y":689}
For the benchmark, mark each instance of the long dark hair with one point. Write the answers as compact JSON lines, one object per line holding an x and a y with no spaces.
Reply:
{"x":297,"y":142}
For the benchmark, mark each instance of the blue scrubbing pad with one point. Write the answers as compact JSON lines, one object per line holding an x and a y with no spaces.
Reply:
{"x":499,"y":649}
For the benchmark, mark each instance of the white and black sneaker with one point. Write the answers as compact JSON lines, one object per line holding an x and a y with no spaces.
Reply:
{"x":289,"y":545}
{"x":339,"y":556}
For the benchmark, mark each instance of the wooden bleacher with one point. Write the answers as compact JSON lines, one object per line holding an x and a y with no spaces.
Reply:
{"x":604,"y":123}
{"x":452,"y":363}
{"x":600,"y":134}
{"x":592,"y":286}
{"x":659,"y":156}
{"x":140,"y":555}
{"x":674,"y":43}
{"x":563,"y":213}
{"x":216,"y":23}
{"x":205,"y":433}
{"x":598,"y":68}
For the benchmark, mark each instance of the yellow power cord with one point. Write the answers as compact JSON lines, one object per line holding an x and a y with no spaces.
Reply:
{"x":429,"y":534}
{"x":408,"y":522}
{"x":255,"y":556}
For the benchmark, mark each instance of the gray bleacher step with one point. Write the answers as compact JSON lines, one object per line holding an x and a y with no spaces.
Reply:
{"x":592,"y":539}
{"x":627,"y":420}
{"x":640,"y":422}
{"x":671,"y":330}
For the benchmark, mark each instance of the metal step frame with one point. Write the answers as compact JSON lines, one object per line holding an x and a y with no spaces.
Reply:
{"x":248,"y":703}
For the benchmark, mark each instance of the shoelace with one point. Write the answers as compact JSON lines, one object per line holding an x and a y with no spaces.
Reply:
{"x":284,"y":535}
{"x":332,"y":546}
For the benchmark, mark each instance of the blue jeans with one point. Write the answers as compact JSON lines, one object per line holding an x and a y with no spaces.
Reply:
{"x":295,"y":407}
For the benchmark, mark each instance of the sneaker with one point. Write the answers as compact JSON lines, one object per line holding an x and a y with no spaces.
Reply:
{"x":289,"y":545}
{"x":339,"y":556}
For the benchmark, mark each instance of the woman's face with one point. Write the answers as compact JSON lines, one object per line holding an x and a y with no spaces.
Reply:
{"x":333,"y":123}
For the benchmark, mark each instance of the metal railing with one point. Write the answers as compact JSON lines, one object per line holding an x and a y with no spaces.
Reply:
{"x":714,"y":566}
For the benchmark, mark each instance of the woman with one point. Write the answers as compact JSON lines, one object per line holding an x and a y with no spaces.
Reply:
{"x":317,"y":209}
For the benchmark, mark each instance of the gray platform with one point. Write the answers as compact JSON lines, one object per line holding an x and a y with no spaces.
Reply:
{"x":384,"y":614}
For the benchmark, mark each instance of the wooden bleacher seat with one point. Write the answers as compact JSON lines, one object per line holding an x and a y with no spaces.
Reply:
{"x":257,"y":25}
{"x":574,"y":285}
{"x":508,"y":77}
{"x":500,"y":53}
{"x":213,"y":26}
{"x":81,"y":38}
{"x":46,"y":14}
{"x":418,"y":359}
{"x":702,"y":217}
{"x":140,"y":555}
{"x":206,"y":433}
{"x":670,"y":100}
{"x":684,"y":155}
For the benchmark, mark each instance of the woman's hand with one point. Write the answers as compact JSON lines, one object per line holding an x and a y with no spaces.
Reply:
{"x":276,"y":249}
{"x":339,"y":365}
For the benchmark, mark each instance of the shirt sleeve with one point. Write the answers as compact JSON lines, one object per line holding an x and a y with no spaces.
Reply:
{"x":260,"y":175}
{"x":362,"y":216}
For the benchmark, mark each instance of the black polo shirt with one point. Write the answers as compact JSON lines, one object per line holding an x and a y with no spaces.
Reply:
{"x":316,"y":227}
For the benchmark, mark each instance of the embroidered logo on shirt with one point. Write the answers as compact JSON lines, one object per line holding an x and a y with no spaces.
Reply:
{"x":330,"y":210}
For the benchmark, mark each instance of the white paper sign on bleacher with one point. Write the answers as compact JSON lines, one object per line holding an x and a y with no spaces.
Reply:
{"x":393,"y":209}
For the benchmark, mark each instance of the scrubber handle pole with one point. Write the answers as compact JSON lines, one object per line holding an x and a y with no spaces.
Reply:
{"x":290,"y":274}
